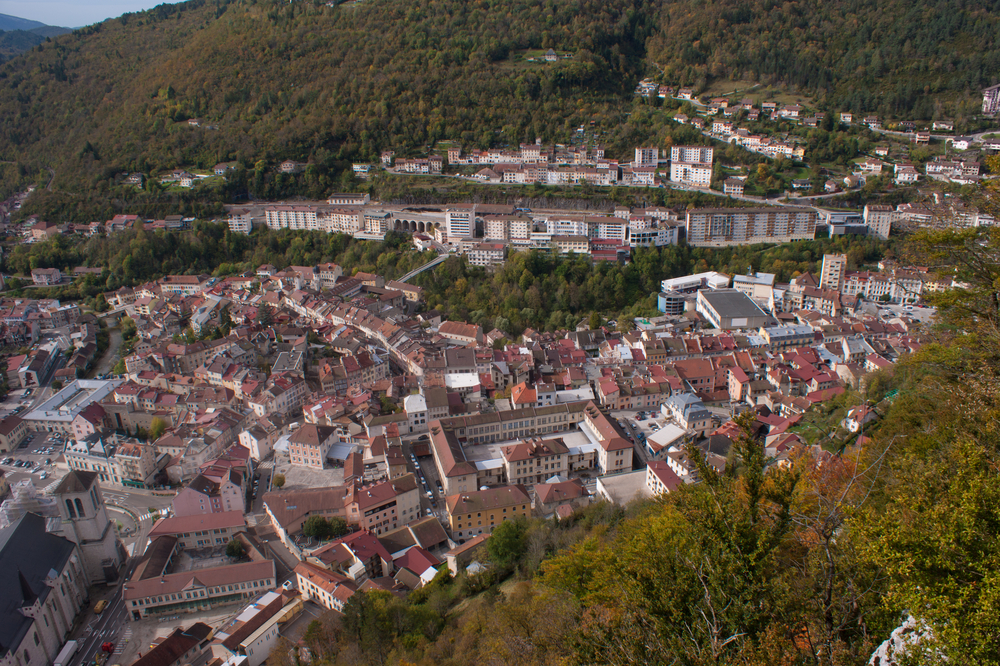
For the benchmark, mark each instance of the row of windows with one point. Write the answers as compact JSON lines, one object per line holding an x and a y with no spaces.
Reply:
{"x":150,"y":601}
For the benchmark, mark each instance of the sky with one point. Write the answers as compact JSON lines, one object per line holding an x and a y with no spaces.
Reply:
{"x":74,"y":13}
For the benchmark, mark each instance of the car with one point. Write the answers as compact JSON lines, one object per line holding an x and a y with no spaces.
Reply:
{"x":43,"y":475}
{"x":429,"y":512}
{"x":7,"y":461}
{"x":48,"y":461}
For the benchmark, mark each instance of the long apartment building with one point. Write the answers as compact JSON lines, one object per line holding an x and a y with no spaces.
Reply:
{"x":720,"y":227}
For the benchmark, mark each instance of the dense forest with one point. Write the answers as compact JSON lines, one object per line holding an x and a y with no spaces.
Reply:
{"x":334,"y":84}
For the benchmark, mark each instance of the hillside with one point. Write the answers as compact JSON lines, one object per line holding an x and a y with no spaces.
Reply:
{"x":329,"y":85}
{"x":17,"y":35}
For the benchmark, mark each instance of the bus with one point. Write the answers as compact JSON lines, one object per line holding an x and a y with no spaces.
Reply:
{"x":101,"y":605}
{"x":62,"y":659}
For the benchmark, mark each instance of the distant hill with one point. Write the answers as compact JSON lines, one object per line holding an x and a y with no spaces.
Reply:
{"x":330,"y":85}
{"x":15,"y":23}
{"x":18,"y":35}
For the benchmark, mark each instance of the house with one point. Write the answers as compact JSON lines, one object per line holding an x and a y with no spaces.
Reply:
{"x":478,"y":512}
{"x":858,"y":416}
{"x":733,"y":187}
{"x":46,"y":276}
{"x":551,"y":56}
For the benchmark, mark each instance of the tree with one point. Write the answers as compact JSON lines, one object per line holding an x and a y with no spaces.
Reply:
{"x":119,"y":368}
{"x":318,"y":527}
{"x":506,"y":545}
{"x":264,"y":315}
{"x":278,"y":481}
{"x":156,"y":428}
{"x":338,"y":527}
{"x":234,"y":549}
{"x":56,"y":384}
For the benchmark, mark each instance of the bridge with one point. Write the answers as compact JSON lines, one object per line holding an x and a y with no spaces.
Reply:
{"x":430,"y":264}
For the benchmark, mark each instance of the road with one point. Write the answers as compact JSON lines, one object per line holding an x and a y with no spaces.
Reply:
{"x":430,"y":264}
{"x":105,"y":628}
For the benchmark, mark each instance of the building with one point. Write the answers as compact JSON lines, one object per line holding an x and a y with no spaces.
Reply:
{"x":460,"y":223}
{"x":720,"y":227}
{"x":196,"y":590}
{"x":12,"y":432}
{"x":255,"y":630}
{"x":478,"y":512}
{"x":183,"y":646}
{"x":46,"y":276}
{"x":879,"y":220}
{"x":84,"y":521}
{"x":660,"y":479}
{"x":487,"y":254}
{"x":647,"y":156}
{"x":733,"y":187}
{"x":204,"y":495}
{"x":327,"y":588}
{"x":834,"y":272}
{"x":44,"y":588}
{"x":534,"y":460}
{"x":691,"y":173}
{"x":726,"y":309}
{"x":689,"y":412}
{"x":309,"y":445}
{"x":196,"y":531}
{"x":692,"y":154}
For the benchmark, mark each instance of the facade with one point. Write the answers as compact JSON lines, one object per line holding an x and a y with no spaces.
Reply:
{"x":879,"y":220}
{"x":12,"y":432}
{"x":327,"y":588}
{"x":44,"y":588}
{"x":535,"y":460}
{"x":691,"y":172}
{"x":834,"y":272}
{"x":991,"y":101}
{"x":720,"y":227}
{"x":204,"y":495}
{"x":198,"y":590}
{"x":478,"y":512}
{"x":309,"y":445}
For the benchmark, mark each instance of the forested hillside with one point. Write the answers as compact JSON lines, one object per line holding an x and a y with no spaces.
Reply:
{"x":271,"y":80}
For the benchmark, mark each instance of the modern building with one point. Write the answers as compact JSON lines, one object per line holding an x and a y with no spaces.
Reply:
{"x":726,"y":309}
{"x":691,"y":173}
{"x":879,"y":220}
{"x":720,"y":227}
{"x":834,"y":272}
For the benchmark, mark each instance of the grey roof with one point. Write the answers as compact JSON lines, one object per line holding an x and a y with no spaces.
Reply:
{"x":732,"y":303}
{"x":28,"y":551}
{"x":76,"y":482}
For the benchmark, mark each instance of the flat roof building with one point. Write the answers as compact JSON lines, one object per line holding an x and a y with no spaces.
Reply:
{"x":727,"y":309}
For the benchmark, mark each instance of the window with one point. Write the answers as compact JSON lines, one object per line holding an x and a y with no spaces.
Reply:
{"x":36,"y":638}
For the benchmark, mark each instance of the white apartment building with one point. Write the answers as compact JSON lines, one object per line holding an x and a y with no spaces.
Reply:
{"x":691,"y":172}
{"x":460,"y":223}
{"x":292,"y":217}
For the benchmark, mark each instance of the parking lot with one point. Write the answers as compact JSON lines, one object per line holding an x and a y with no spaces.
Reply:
{"x":34,"y":458}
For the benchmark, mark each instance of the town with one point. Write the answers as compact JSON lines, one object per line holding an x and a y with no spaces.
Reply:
{"x":343,"y":437}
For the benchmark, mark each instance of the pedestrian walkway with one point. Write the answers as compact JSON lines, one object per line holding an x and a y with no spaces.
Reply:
{"x":123,"y":641}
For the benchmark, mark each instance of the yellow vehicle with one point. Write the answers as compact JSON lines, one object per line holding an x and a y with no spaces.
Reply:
{"x":101,"y":605}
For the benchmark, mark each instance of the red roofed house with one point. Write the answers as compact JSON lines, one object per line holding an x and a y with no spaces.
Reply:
{"x":660,"y":479}
{"x":461,"y":332}
{"x":88,"y":421}
{"x":328,"y":589}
